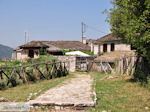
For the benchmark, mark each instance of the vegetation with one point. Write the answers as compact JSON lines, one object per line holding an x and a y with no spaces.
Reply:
{"x":130,"y":20}
{"x":30,"y":91}
{"x":118,"y":94}
{"x":13,"y":63}
{"x":89,"y":52}
{"x":42,"y":58}
{"x":43,"y":51}
{"x":15,"y":72}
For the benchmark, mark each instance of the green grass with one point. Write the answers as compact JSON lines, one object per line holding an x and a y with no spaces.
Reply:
{"x":22,"y":92}
{"x":42,"y":58}
{"x":120,"y":95}
{"x":12,"y":63}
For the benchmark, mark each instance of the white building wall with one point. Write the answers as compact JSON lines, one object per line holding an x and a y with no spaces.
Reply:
{"x":21,"y":55}
{"x":36,"y":53}
{"x":101,"y":48}
{"x":92,"y":47}
{"x":118,"y":47}
{"x":108,"y":47}
{"x":96,"y":49}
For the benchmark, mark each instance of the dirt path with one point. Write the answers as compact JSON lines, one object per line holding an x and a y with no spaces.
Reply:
{"x":76,"y":92}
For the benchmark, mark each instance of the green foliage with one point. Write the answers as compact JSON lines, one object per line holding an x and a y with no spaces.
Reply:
{"x":2,"y":85}
{"x":130,"y":20}
{"x":13,"y":81}
{"x":43,"y":51}
{"x":119,"y":94}
{"x":42,"y":58}
{"x":22,"y":92}
{"x":89,"y":52}
{"x":10,"y":63}
{"x":34,"y":70}
{"x":46,"y":58}
{"x":66,"y":50}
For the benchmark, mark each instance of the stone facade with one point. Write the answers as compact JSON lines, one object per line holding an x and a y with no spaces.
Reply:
{"x":24,"y":54}
{"x":118,"y":46}
{"x":122,"y":47}
{"x":71,"y":65}
{"x":109,"y":43}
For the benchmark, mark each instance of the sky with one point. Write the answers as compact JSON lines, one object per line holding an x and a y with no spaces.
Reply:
{"x":51,"y":20}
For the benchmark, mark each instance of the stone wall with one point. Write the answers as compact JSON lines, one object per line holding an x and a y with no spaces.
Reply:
{"x":122,"y":47}
{"x":70,"y":61}
{"x":23,"y":54}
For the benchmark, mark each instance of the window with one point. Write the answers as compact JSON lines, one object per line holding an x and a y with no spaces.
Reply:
{"x":104,"y":47}
{"x":112,"y":46}
{"x":31,"y":54}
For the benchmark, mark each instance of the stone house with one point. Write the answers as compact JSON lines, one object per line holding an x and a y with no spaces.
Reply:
{"x":109,"y":43}
{"x":33,"y":49}
{"x":29,"y":50}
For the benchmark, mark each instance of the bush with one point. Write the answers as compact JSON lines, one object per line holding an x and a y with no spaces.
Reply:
{"x":13,"y":81}
{"x":31,"y":77}
{"x":19,"y":81}
{"x":2,"y":85}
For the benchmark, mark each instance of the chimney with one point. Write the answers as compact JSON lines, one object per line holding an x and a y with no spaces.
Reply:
{"x":84,"y":40}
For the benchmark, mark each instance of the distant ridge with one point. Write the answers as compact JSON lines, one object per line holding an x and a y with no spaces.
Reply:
{"x":5,"y":52}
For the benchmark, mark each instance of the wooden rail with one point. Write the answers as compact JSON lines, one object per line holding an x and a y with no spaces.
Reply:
{"x":13,"y":76}
{"x":125,"y":65}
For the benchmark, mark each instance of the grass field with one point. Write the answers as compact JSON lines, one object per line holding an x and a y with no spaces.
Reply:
{"x":30,"y":91}
{"x":120,"y":95}
{"x":13,"y":63}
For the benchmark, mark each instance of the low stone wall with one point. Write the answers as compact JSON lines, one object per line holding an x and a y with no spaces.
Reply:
{"x":71,"y":62}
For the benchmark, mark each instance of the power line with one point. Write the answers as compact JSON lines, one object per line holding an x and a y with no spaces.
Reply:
{"x":95,"y":29}
{"x":85,"y":26}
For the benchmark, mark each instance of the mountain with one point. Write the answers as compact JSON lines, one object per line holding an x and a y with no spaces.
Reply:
{"x":5,"y":52}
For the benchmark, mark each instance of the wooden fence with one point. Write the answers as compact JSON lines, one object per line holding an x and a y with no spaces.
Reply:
{"x":13,"y":76}
{"x":125,"y":65}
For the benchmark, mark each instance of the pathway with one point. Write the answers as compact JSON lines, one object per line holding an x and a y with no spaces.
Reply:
{"x":76,"y":92}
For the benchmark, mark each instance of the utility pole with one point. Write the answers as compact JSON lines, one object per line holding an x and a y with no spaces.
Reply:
{"x":25,"y":36}
{"x":83,"y":29}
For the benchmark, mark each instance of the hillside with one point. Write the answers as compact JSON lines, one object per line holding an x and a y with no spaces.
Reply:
{"x":5,"y":51}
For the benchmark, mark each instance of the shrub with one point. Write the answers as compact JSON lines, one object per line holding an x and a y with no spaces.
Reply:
{"x":2,"y":85}
{"x":31,"y":76}
{"x":13,"y":81}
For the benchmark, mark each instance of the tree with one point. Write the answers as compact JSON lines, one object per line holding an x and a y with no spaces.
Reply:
{"x":130,"y":20}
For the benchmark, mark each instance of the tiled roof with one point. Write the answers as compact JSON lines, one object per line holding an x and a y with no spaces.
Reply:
{"x":34,"y":44}
{"x":58,"y":45}
{"x":108,"y":38}
{"x":71,"y":45}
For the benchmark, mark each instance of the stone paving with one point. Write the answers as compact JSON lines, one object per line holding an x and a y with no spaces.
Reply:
{"x":75,"y":92}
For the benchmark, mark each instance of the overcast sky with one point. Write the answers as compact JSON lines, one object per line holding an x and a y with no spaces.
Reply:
{"x":51,"y":20}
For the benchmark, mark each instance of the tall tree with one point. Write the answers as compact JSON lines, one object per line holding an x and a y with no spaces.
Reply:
{"x":130,"y":20}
